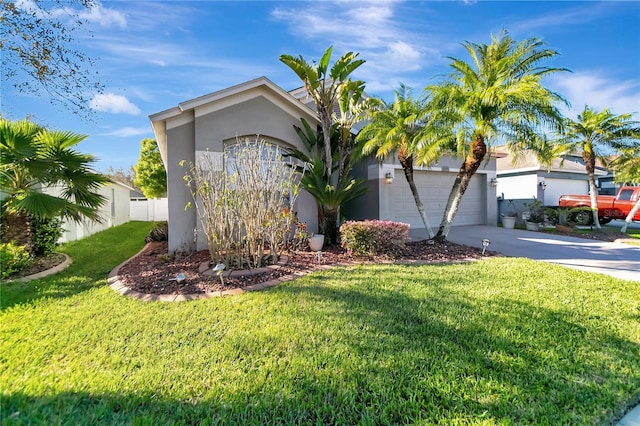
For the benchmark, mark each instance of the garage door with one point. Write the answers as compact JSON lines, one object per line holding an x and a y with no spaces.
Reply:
{"x":557,"y":187}
{"x":434,"y":189}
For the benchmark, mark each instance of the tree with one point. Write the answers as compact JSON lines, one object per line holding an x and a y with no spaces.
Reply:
{"x":324,"y":85}
{"x":626,"y":169}
{"x":121,"y":175}
{"x":498,"y":93}
{"x":595,"y":134}
{"x":35,"y":41}
{"x":398,"y":128}
{"x":329,"y":195}
{"x":32,"y":157}
{"x":150,"y":174}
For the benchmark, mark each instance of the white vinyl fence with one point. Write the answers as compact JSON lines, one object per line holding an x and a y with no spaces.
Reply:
{"x":154,"y":210}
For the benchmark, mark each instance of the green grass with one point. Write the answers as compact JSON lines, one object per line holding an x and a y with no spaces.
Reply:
{"x":502,"y":341}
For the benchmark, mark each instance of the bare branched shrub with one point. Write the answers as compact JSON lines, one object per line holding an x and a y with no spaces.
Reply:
{"x":243,"y":202}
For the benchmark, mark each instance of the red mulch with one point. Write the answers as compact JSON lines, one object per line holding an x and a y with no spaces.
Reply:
{"x":150,"y":272}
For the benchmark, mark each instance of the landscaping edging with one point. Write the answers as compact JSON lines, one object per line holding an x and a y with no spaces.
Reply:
{"x":118,"y":286}
{"x":58,"y":268}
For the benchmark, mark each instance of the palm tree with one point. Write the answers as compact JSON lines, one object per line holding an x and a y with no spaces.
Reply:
{"x":324,"y":85}
{"x":498,"y":94}
{"x":398,"y":127}
{"x":31,"y":158}
{"x":595,"y":134}
{"x":626,"y":169}
{"x":330,"y":194}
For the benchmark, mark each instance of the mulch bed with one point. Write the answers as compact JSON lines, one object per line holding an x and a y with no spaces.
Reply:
{"x":152,"y":271}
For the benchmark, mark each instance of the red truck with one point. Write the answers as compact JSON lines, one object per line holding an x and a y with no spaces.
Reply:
{"x":609,"y":207}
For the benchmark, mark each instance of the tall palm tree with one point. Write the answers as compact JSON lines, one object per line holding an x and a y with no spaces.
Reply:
{"x":595,"y":134}
{"x":31,"y":158}
{"x":324,"y":85}
{"x":498,"y":94}
{"x":399,"y":128}
{"x":626,"y":169}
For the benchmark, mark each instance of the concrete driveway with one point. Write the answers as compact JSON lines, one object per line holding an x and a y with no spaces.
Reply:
{"x":616,"y":259}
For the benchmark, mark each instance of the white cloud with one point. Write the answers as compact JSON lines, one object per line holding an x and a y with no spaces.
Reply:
{"x":129,"y":131}
{"x":597,"y":91}
{"x":115,"y":104}
{"x":103,"y":16}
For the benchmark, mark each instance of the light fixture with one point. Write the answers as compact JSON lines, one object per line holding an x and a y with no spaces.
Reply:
{"x":485,"y":244}
{"x":388,"y":178}
{"x":543,"y":185}
{"x":494,"y":182}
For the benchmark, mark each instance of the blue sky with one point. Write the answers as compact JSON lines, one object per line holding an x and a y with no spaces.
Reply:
{"x":152,"y":55}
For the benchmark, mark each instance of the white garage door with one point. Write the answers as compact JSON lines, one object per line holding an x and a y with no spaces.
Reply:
{"x":434,"y":189}
{"x":557,"y":187}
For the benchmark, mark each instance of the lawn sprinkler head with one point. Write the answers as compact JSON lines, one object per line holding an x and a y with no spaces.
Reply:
{"x":485,"y":244}
{"x":319,"y":256}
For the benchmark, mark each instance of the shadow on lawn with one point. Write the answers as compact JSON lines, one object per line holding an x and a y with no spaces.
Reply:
{"x":517,"y":359}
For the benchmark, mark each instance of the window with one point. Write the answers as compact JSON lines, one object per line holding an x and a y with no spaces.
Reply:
{"x":625,"y":195}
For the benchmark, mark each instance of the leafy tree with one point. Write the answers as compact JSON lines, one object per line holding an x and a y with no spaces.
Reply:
{"x":626,"y":170}
{"x":499,"y":93}
{"x":399,"y":128}
{"x":32,"y":157}
{"x":150,"y":174}
{"x":325,"y":86}
{"x":35,"y":40}
{"x":595,"y":134}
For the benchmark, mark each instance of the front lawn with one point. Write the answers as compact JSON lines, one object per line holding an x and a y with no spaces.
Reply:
{"x":501,"y":341}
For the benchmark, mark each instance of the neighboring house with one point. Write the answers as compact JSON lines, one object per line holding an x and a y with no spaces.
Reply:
{"x":527,"y":178}
{"x":115,"y":211}
{"x":260,"y":107}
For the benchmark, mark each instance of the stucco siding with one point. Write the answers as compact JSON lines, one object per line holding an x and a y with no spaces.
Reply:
{"x":180,"y":146}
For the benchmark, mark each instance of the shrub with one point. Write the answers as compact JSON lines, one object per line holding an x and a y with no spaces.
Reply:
{"x":46,"y":233}
{"x":160,"y":232}
{"x":374,"y":237}
{"x":13,"y":258}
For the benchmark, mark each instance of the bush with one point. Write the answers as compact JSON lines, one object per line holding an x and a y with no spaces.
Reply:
{"x":160,"y":232}
{"x":374,"y":237}
{"x":13,"y":258}
{"x":46,"y":233}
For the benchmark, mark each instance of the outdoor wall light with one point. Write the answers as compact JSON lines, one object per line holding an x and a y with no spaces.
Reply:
{"x":543,"y":185}
{"x":494,"y":182}
{"x":388,"y":178}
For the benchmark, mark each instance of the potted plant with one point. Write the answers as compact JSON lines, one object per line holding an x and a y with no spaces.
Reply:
{"x":534,"y":216}
{"x":509,"y":219}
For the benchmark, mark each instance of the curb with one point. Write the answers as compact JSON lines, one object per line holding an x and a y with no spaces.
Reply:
{"x":58,"y":268}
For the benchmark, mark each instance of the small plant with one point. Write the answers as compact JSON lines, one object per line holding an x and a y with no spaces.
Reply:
{"x":536,"y":211}
{"x":160,"y":232}
{"x":374,"y":237}
{"x":13,"y":259}
{"x":46,"y":233}
{"x":512,"y":210}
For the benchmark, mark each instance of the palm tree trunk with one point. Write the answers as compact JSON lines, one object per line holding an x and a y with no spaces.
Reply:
{"x":407,"y":167}
{"x":16,"y":227}
{"x":590,"y":163}
{"x":467,"y":170}
{"x":630,"y":216}
{"x":326,"y":135}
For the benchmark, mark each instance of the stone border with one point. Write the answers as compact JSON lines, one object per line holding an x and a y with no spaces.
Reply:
{"x":118,"y":286}
{"x":58,"y":268}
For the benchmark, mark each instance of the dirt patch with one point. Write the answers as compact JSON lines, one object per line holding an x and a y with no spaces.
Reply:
{"x":41,"y":264}
{"x":152,"y":271}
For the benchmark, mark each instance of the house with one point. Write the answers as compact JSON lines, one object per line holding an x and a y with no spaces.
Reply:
{"x":527,"y":178}
{"x":115,"y":211}
{"x":260,"y":107}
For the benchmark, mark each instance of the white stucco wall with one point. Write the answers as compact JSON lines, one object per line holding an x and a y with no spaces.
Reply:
{"x":518,"y":187}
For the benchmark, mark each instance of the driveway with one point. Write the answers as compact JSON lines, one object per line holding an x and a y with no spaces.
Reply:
{"x":616,"y":259}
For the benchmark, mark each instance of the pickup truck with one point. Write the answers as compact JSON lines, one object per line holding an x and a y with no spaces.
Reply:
{"x":609,"y":207}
